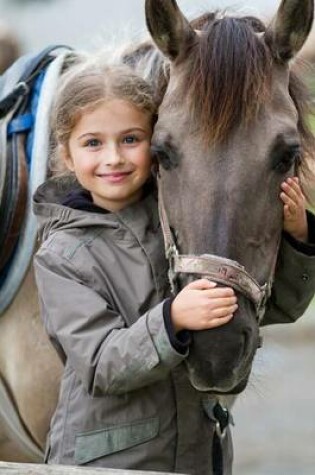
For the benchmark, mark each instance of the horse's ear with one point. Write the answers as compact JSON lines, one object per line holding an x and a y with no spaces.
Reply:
{"x":290,"y":28}
{"x":168,"y":27}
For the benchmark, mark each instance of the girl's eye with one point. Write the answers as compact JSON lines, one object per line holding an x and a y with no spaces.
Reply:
{"x":130,"y":139}
{"x":92,"y":143}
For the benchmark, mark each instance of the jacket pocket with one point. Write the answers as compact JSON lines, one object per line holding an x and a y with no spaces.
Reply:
{"x":95,"y":444}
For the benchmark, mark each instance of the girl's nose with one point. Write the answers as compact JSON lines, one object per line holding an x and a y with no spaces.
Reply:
{"x":113,"y":156}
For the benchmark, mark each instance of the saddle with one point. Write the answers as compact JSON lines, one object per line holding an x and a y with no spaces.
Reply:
{"x":26,"y":93}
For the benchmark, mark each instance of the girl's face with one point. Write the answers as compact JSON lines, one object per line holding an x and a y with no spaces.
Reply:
{"x":109,"y":152}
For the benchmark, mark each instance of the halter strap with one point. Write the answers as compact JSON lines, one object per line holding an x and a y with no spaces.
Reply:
{"x":223,"y":271}
{"x":216,"y":268}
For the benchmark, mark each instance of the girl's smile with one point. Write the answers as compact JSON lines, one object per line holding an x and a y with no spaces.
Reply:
{"x":109,"y":152}
{"x":117,"y":177}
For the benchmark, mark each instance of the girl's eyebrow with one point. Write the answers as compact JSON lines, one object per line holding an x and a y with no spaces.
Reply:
{"x":87,"y":134}
{"x":133,"y":129}
{"x":121,"y":132}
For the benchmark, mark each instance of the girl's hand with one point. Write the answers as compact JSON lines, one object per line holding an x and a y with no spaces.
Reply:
{"x":295,"y":219}
{"x":202,"y":305}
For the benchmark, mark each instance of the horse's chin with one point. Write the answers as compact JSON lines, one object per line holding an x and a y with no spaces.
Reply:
{"x":219,"y":391}
{"x":225,"y":387}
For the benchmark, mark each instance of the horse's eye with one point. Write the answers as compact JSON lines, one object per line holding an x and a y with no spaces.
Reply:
{"x":285,"y":154}
{"x":161,"y":156}
{"x":288,"y":159}
{"x":166,"y":154}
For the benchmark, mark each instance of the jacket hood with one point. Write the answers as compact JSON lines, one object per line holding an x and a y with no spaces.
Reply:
{"x":52,"y":215}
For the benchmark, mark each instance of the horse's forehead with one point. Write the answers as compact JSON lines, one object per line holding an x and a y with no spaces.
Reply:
{"x":281,"y":103}
{"x":280,"y":77}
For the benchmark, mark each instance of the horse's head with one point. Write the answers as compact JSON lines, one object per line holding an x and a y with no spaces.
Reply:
{"x":230,"y":130}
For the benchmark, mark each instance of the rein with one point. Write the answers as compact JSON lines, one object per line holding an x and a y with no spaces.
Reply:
{"x":216,"y":268}
{"x":13,"y":195}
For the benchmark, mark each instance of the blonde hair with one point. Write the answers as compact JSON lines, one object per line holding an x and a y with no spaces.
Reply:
{"x":87,"y":83}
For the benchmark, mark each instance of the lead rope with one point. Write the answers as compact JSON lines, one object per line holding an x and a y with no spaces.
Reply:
{"x":222,"y":418}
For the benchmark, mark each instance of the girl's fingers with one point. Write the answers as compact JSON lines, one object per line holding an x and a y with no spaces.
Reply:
{"x":217,"y":303}
{"x":290,"y":192}
{"x":292,"y":187}
{"x":219,"y":292}
{"x":295,"y":183}
{"x":286,"y":211}
{"x":292,"y":206}
{"x":201,"y":284}
{"x":285,"y":198}
{"x":289,"y":203}
{"x":218,"y":322}
{"x":222,"y":312}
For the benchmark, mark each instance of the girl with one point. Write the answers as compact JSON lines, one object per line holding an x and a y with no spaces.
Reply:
{"x":102,"y":281}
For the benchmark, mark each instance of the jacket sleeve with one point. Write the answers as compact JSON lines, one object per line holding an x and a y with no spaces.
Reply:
{"x":107,"y":356}
{"x":294,"y":284}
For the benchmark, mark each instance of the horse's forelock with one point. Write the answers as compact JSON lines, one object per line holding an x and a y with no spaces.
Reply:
{"x":228,"y":75}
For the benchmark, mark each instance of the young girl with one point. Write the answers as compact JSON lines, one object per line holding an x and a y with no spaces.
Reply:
{"x":102,"y":281}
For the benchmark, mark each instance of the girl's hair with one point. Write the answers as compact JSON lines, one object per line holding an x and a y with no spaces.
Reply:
{"x":86,"y":83}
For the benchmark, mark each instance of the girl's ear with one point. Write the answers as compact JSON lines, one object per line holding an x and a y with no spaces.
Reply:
{"x":65,"y":156}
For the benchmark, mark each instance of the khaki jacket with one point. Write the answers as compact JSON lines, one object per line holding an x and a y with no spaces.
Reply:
{"x":125,"y":400}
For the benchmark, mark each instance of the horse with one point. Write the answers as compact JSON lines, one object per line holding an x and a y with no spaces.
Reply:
{"x":30,"y":370}
{"x":29,"y":378}
{"x":231,"y":127}
{"x":9,"y":46}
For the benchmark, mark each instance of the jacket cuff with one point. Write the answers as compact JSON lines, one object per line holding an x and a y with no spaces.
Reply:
{"x":307,"y":248}
{"x":164,"y":348}
{"x":182,"y":339}
{"x":293,"y":287}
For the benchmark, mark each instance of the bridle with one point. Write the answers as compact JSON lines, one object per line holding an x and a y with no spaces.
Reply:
{"x":216,"y":268}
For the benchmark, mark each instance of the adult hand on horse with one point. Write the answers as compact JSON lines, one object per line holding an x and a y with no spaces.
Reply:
{"x":295,"y":218}
{"x":202,"y":305}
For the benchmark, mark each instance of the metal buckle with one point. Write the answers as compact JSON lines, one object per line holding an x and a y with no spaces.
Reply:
{"x":222,"y":418}
{"x":171,"y":252}
{"x":220,"y":433}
